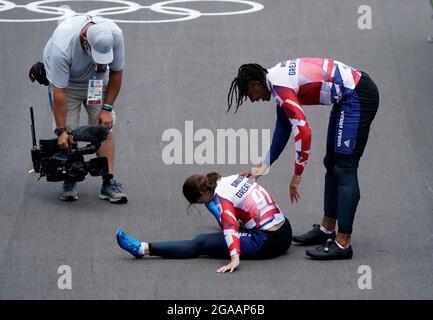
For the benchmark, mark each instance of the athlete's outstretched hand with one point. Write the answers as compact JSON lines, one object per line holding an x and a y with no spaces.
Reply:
{"x":255,"y":172}
{"x":294,"y":188}
{"x":234,"y":263}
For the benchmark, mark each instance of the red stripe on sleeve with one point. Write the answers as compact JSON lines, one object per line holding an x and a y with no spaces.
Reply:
{"x":230,"y":224}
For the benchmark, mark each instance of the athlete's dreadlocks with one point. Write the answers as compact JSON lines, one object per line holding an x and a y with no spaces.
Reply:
{"x":246,"y":73}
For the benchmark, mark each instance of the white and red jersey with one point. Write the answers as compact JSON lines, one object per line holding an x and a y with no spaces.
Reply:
{"x":241,"y":199}
{"x":308,"y":81}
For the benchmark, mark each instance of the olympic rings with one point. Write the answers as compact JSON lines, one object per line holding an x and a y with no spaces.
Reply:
{"x":123,"y":7}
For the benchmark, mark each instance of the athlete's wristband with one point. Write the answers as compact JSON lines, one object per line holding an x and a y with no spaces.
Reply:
{"x":107,"y":107}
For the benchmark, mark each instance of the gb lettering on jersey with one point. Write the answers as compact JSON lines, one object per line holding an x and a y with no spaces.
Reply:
{"x":94,"y":92}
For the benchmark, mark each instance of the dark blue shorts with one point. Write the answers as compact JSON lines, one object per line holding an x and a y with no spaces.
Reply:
{"x":350,"y":119}
{"x":260,"y":244}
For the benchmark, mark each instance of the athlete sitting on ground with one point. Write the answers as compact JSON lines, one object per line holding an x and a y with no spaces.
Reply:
{"x":265,"y":232}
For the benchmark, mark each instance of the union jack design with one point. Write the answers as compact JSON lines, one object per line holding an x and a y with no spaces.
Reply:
{"x":308,"y":81}
{"x":241,"y":200}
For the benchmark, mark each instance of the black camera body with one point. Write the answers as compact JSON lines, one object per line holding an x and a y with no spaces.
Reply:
{"x":60,"y":165}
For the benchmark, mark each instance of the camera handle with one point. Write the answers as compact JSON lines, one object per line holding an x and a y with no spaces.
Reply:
{"x":88,"y":149}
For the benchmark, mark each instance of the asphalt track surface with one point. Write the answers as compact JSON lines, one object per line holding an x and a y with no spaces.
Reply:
{"x":181,"y":71}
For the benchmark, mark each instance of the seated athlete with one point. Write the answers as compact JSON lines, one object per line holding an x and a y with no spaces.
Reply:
{"x":264,"y":233}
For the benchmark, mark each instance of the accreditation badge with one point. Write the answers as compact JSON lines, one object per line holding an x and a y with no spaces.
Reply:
{"x":94,"y":92}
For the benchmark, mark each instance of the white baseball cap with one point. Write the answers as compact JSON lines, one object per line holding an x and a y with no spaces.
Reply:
{"x":101,"y":43}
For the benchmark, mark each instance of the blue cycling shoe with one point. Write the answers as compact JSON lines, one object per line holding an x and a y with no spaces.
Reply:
{"x":128,"y":243}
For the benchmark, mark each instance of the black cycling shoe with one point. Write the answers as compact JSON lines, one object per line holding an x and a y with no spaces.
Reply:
{"x":330,"y":251}
{"x":313,"y":237}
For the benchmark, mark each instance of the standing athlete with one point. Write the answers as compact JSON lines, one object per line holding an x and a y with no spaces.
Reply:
{"x":355,"y":100}
{"x":235,"y":200}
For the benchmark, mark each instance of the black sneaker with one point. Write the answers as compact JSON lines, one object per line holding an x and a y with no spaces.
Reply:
{"x":313,"y":237}
{"x":330,"y":251}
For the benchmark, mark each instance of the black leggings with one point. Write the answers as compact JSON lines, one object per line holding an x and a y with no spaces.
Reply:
{"x":255,"y":244}
{"x":341,"y":180}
